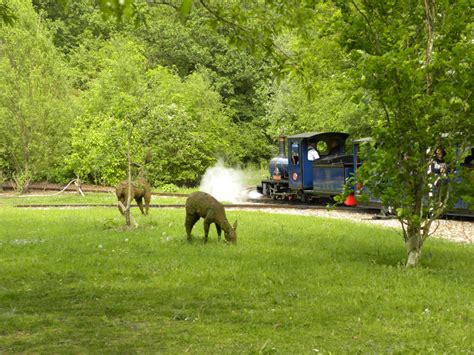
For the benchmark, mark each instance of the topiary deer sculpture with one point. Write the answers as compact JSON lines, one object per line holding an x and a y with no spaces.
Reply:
{"x":202,"y":205}
{"x":140,"y":191}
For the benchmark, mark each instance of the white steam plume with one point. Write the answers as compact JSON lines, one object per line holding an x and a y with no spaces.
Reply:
{"x":225,"y":184}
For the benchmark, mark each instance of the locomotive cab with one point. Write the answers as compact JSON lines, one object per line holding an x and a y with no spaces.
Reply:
{"x":322,"y":176}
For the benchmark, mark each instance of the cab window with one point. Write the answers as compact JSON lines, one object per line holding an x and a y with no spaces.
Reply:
{"x":294,"y":153}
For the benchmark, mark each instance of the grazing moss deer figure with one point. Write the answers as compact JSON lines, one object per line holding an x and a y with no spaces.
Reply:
{"x":202,"y":205}
{"x":140,"y":190}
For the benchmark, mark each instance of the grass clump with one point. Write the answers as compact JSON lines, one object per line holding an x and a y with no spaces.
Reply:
{"x":73,"y":281}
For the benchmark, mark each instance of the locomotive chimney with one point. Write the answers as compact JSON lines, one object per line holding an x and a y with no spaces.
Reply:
{"x":281,"y":146}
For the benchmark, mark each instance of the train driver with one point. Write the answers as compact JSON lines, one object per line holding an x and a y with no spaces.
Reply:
{"x":334,"y":148}
{"x":312,"y":152}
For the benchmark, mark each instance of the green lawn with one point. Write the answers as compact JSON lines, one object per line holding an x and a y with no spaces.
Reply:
{"x":107,"y":198}
{"x":73,"y":281}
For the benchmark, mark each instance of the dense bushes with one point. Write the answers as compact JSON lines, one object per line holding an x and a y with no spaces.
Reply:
{"x":71,"y":93}
{"x":36,"y":102}
{"x":181,"y":124}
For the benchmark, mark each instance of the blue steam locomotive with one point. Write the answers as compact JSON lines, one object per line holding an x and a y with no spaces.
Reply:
{"x":294,"y":175}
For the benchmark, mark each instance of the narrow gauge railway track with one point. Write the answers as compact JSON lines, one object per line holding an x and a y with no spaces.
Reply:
{"x":72,"y":189}
{"x":261,"y":203}
{"x":250,"y":206}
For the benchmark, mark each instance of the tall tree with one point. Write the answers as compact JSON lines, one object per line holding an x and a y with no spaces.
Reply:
{"x":414,"y":58}
{"x":36,"y":104}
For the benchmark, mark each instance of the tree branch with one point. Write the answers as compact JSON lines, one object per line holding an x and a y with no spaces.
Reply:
{"x":430,"y":11}
{"x":161,"y":2}
{"x":267,"y":46}
{"x":374,"y":33}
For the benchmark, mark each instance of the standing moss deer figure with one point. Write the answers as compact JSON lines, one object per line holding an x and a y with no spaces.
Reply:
{"x":141,"y":190}
{"x":202,"y":205}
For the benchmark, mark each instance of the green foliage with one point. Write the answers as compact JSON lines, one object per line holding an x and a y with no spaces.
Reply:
{"x":181,"y":123}
{"x":22,"y":181}
{"x":239,"y":78}
{"x":291,"y":110}
{"x":74,"y":24}
{"x":6,"y":15}
{"x":80,"y":31}
{"x":36,"y":104}
{"x":261,"y":29}
{"x":188,"y":128}
{"x":317,"y":95}
{"x":169,"y":188}
{"x":98,"y":154}
{"x":185,"y":8}
{"x":73,"y":281}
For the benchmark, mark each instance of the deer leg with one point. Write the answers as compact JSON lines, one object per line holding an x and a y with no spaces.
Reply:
{"x":147,"y":202}
{"x":219,"y":231}
{"x":140,"y":204}
{"x":207,"y":224}
{"x":191,"y":220}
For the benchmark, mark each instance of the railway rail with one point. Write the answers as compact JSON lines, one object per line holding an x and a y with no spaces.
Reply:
{"x":101,"y":189}
{"x":181,"y":205}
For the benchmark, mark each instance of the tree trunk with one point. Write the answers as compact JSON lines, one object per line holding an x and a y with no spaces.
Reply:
{"x":129,"y":220}
{"x":127,"y":217}
{"x":413,"y":243}
{"x":129,"y":179}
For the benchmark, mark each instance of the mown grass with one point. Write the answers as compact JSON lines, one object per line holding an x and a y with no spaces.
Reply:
{"x":74,"y":281}
{"x":106,"y":198}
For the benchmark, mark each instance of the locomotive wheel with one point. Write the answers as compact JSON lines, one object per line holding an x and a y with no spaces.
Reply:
{"x":272,"y":190}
